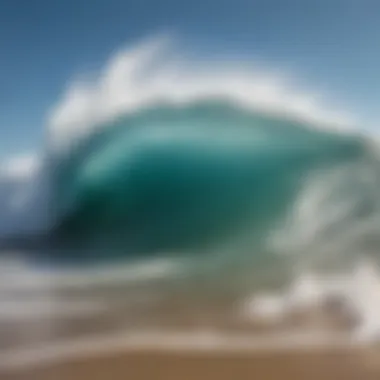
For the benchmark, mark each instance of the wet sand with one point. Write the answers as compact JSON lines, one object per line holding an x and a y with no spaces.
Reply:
{"x":148,"y":365}
{"x":247,"y":354}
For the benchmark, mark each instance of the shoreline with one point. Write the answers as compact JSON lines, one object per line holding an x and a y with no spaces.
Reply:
{"x":201,"y":342}
{"x":225,"y":359}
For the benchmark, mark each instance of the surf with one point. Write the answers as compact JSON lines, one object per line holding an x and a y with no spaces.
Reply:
{"x":189,"y":178}
{"x":159,"y":155}
{"x":243,"y":179}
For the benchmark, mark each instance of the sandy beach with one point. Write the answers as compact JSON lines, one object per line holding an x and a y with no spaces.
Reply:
{"x":153,"y":364}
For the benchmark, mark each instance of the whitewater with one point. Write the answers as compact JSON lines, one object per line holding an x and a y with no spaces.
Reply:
{"x":219,"y":187}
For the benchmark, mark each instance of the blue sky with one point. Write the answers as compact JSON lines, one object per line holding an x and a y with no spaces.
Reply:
{"x":330,"y":44}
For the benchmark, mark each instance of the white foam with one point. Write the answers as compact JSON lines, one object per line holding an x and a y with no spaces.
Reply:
{"x":151,"y":73}
{"x":359,"y":291}
{"x":306,"y":292}
{"x":47,"y":308}
{"x":365,"y":299}
{"x":19,"y":277}
{"x":266,"y":307}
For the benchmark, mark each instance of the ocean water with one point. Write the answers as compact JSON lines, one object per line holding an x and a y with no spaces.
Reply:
{"x":189,"y":178}
{"x":207,"y":211}
{"x":183,"y":216}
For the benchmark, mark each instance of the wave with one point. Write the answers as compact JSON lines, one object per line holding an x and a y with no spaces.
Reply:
{"x":167,"y":183}
{"x":190,"y":178}
{"x":162,"y":155}
{"x":228,"y":165}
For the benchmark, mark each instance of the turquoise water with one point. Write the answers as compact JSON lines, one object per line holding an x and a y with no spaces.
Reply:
{"x":191,"y":180}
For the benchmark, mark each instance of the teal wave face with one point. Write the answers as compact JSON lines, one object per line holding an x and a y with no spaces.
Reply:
{"x":190,"y":178}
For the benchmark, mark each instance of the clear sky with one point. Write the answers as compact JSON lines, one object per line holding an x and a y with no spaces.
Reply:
{"x":331,"y":44}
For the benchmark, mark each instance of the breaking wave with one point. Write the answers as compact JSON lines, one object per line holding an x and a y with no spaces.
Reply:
{"x":229,"y":167}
